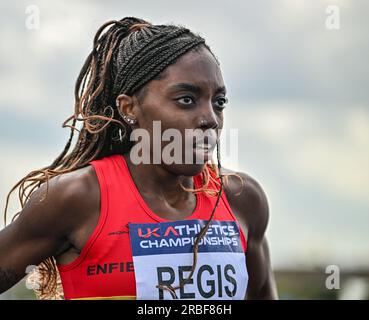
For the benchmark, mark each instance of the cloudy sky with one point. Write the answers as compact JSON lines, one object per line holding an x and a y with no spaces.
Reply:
{"x":298,"y":95}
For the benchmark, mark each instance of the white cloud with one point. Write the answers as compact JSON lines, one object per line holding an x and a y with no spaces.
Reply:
{"x":265,"y":52}
{"x":339,"y":167}
{"x":331,"y":153}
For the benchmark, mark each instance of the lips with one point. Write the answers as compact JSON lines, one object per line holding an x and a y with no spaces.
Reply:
{"x":206,"y":147}
{"x":203,"y":146}
{"x":206,"y":142}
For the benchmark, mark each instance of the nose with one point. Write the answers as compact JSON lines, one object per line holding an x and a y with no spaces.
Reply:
{"x":208,"y":120}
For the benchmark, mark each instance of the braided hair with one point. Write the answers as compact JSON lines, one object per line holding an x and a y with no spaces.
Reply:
{"x":126,"y":55}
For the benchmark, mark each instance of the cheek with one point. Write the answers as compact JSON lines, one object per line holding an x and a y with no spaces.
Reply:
{"x":156,"y":109}
{"x":147,"y":115}
{"x":221,"y":120}
{"x":220,"y":127}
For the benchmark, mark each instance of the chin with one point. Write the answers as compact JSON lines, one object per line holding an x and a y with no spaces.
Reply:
{"x":185,"y":169}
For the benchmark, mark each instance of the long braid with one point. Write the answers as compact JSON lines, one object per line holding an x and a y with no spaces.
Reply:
{"x":201,"y":234}
{"x":126,"y":55}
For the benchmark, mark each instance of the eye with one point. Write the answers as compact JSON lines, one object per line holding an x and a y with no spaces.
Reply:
{"x":187,"y":100}
{"x":221,"y":102}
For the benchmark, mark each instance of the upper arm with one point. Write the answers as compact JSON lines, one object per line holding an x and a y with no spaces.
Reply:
{"x":252,"y":205}
{"x":41,"y":229}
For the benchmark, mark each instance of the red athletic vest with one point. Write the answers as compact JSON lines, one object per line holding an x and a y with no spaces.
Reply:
{"x":130,"y":238}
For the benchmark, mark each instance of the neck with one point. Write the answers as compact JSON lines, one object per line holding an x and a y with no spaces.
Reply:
{"x":154,"y":179}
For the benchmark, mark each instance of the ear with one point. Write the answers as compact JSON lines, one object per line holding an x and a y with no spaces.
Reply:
{"x":125,"y":105}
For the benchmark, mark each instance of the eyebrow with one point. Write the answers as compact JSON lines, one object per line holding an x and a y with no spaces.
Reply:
{"x":194,"y":88}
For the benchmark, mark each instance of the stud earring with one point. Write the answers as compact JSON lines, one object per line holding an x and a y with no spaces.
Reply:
{"x":129,"y":120}
{"x":125,"y":117}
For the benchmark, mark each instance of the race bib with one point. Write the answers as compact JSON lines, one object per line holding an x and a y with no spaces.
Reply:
{"x":163,"y":255}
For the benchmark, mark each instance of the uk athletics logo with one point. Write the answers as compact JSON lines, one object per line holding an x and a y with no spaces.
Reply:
{"x":163,"y":255}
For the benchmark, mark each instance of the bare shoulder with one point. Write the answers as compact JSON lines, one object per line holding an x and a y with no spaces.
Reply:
{"x":68,"y":188}
{"x":47,"y":223}
{"x":247,"y":197}
{"x":62,"y":203}
{"x":74,"y":186}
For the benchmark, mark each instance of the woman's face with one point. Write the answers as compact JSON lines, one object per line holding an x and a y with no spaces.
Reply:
{"x":190,"y":95}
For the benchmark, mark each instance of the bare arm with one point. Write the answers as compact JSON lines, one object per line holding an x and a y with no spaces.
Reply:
{"x":41,"y":230}
{"x":261,"y":283}
{"x":253,"y":209}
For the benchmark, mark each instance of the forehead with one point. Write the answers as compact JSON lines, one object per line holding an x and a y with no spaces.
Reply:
{"x":196,"y":67}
